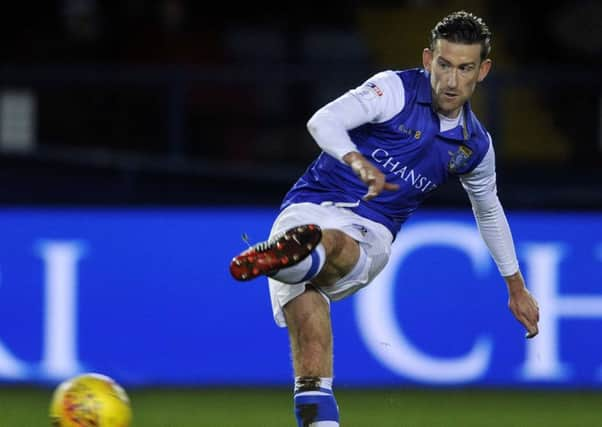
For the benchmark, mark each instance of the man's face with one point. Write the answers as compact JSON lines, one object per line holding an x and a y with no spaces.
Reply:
{"x":455,"y":70}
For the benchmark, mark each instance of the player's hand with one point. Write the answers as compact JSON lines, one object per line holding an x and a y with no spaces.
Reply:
{"x":369,"y":174}
{"x":523,"y":305}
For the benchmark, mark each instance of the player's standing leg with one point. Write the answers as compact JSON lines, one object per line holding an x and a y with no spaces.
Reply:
{"x":310,"y":333}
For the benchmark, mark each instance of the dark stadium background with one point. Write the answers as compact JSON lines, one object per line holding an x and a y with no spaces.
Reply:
{"x":184,"y":103}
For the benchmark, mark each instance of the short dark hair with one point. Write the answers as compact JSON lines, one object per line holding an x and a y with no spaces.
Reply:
{"x":463,"y":27}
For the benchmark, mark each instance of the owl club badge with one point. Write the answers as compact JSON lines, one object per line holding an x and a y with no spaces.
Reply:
{"x":459,"y":159}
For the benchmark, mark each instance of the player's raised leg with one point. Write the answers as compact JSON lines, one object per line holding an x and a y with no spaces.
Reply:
{"x":293,"y":256}
{"x":300,"y":254}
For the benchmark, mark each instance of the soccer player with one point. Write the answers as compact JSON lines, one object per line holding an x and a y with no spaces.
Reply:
{"x":386,"y":145}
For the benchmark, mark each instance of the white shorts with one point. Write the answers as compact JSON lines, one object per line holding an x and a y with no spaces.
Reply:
{"x":375,"y":239}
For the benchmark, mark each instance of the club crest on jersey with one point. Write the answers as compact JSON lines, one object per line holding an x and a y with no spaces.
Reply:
{"x":459,"y":159}
{"x":403,"y":129}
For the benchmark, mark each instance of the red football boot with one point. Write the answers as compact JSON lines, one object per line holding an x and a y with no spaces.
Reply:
{"x":284,"y":250}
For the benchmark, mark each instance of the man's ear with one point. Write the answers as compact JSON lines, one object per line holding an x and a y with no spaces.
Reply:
{"x":484,"y":69}
{"x":427,"y":59}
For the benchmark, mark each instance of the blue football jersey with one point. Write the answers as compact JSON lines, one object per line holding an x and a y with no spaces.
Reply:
{"x":409,"y":149}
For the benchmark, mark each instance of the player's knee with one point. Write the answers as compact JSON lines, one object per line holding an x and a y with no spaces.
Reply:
{"x":337,"y":243}
{"x":307,"y":308}
{"x":342,"y":252}
{"x":308,"y":314}
{"x":308,"y":321}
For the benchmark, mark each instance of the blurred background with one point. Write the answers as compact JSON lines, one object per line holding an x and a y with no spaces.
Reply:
{"x":140,"y":138}
{"x":175,"y":101}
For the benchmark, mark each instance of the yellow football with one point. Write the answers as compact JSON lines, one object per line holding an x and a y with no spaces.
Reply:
{"x":90,"y":400}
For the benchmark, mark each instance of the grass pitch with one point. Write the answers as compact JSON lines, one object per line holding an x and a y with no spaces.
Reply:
{"x":28,"y":407}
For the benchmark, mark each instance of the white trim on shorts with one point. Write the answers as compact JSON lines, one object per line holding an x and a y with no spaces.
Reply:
{"x":374,"y":239}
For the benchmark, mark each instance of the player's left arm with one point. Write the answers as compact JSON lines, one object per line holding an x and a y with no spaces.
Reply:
{"x":480,"y":184}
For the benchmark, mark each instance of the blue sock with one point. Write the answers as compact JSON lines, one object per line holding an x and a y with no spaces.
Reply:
{"x":315,"y":405}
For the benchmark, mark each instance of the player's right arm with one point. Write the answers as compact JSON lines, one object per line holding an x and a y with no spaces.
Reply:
{"x":376,"y":100}
{"x":369,"y":174}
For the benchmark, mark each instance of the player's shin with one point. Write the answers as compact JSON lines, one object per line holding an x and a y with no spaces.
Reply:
{"x":315,"y":405}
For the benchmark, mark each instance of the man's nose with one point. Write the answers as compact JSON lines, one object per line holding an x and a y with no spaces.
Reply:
{"x":452,"y":79}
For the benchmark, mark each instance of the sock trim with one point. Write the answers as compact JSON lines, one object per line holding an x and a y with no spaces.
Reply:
{"x":317,"y":255}
{"x":321,"y":392}
{"x":315,"y":261}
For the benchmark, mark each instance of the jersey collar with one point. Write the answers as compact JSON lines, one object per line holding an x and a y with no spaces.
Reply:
{"x":424,"y":96}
